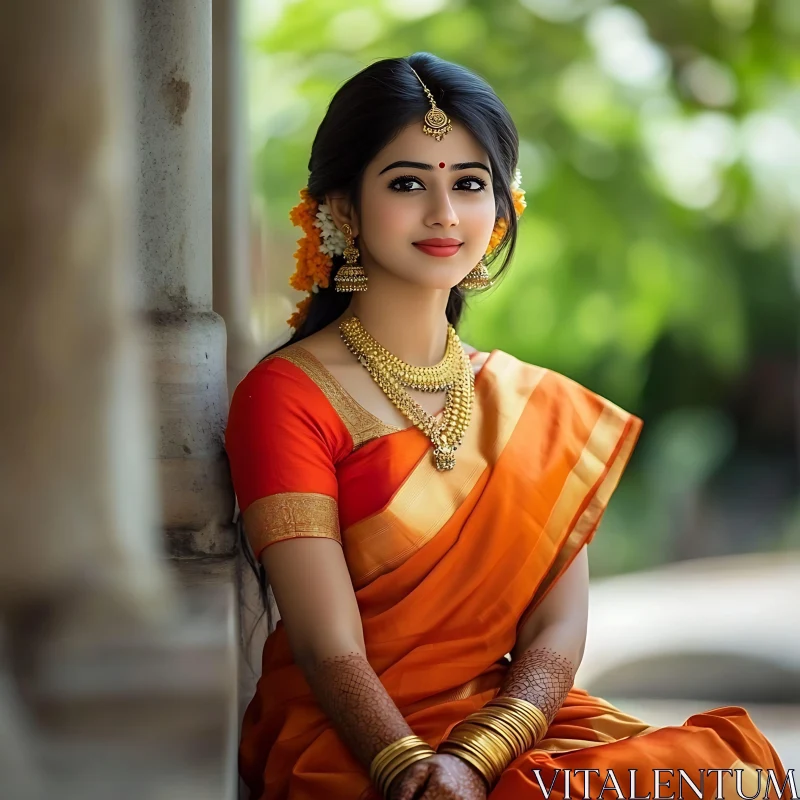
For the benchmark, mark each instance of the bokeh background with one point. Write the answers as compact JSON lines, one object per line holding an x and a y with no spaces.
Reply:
{"x":659,"y":255}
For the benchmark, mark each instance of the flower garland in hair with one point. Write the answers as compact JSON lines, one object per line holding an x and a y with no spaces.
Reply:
{"x":322,"y":240}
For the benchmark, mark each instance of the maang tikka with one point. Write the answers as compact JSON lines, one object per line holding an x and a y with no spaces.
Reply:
{"x":436,"y":122}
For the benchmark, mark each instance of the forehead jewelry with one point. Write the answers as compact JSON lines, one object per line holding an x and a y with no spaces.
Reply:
{"x":436,"y":122}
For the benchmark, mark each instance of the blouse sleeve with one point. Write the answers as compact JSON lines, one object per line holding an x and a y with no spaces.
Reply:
{"x":281,"y":440}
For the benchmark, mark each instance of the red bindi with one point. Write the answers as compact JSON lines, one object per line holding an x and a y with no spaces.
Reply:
{"x":441,"y":165}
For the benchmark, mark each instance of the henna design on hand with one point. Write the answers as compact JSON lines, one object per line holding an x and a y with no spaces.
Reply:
{"x":542,"y":677}
{"x":356,"y":701}
{"x":441,"y":777}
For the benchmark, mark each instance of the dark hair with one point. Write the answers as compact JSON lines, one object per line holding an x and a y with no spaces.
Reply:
{"x":366,"y":113}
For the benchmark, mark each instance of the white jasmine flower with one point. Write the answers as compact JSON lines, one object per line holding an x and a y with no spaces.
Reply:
{"x":333,"y":240}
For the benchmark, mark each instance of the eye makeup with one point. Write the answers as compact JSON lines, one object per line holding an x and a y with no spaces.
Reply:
{"x":413,"y":179}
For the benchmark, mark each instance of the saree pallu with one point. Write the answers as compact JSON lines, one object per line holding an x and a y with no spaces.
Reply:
{"x":446,"y":567}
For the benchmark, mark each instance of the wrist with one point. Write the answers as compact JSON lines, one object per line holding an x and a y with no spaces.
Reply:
{"x":492,"y":737}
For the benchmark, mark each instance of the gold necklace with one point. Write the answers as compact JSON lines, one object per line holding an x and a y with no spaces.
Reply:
{"x":453,"y":375}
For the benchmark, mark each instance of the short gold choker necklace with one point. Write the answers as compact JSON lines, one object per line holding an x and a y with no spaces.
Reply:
{"x":453,"y":375}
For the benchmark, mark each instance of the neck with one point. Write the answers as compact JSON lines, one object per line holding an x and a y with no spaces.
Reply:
{"x":407,"y":319}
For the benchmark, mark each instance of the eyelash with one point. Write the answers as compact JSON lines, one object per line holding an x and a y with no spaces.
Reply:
{"x":408,"y":178}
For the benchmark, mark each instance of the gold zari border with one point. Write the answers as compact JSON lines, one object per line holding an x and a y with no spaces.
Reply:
{"x":613,"y":426}
{"x":289,"y":515}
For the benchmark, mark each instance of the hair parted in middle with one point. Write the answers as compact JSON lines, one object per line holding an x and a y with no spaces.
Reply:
{"x":364,"y":115}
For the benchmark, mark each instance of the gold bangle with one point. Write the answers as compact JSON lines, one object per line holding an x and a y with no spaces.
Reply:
{"x":450,"y":748}
{"x":499,"y":720}
{"x":506,"y":742}
{"x":386,"y":772}
{"x":492,"y":737}
{"x":503,"y":730}
{"x":388,"y":752}
{"x":526,"y":709}
{"x":386,"y":776}
{"x":532,"y":717}
{"x":395,"y":757}
{"x":479,"y":748}
{"x":407,"y":762}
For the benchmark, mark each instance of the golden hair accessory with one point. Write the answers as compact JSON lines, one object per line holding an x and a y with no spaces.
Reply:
{"x":436,"y":122}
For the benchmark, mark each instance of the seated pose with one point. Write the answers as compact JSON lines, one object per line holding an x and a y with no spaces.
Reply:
{"x":421,"y":508}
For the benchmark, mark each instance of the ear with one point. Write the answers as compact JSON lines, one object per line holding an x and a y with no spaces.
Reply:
{"x":342,"y":211}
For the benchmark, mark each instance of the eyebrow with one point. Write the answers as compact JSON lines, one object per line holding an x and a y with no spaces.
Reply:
{"x":429,"y":167}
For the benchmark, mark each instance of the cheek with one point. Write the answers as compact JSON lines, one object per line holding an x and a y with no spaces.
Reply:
{"x":479,"y":218}
{"x":388,"y":219}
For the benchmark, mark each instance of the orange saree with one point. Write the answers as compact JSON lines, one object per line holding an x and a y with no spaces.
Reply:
{"x":446,"y":566}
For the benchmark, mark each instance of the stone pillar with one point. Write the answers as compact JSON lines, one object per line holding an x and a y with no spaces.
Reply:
{"x":173,"y":66}
{"x":233,"y":292}
{"x":79,"y":510}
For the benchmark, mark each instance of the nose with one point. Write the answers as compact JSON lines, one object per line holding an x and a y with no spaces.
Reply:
{"x":441,"y":211}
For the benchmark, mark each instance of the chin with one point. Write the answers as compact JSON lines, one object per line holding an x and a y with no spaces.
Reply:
{"x":433,"y":277}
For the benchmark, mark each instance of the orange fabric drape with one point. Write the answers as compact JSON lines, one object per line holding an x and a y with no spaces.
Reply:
{"x":448,"y":568}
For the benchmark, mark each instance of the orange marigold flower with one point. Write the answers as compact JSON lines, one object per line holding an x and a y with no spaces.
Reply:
{"x":302,"y":312}
{"x":501,"y":225}
{"x":519,"y":201}
{"x":312,"y":265}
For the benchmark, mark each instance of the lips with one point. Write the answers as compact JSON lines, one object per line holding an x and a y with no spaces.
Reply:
{"x":439,"y":242}
{"x":439,"y":247}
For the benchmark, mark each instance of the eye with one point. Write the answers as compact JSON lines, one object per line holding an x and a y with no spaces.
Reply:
{"x":402,"y":183}
{"x":474,"y":179}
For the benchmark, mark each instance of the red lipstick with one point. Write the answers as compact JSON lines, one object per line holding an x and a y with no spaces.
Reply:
{"x":439,"y":247}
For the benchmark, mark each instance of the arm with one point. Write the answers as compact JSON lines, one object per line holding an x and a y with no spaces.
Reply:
{"x":318,"y":607}
{"x":550,"y":644}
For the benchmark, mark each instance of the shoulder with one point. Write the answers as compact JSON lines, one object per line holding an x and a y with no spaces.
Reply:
{"x":278,"y":378}
{"x":278,"y":397}
{"x":566,"y":396}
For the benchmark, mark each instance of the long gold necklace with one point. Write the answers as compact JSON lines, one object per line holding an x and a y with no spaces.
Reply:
{"x":453,"y":375}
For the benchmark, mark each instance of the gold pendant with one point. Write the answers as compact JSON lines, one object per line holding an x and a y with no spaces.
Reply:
{"x":444,"y":457}
{"x":436,"y":123}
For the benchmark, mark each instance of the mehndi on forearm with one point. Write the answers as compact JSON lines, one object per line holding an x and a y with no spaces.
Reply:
{"x":534,"y":688}
{"x":358,"y":705}
{"x":542,"y":676}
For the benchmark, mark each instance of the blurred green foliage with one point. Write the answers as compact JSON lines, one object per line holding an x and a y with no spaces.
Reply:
{"x":660,"y":153}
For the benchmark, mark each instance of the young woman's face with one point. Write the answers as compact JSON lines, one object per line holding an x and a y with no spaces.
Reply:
{"x":418,"y":189}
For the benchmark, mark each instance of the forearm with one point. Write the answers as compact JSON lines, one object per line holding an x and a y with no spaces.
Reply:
{"x":355,"y":700}
{"x":544,"y":672}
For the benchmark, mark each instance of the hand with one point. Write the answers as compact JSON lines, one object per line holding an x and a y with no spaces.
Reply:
{"x":440,"y":777}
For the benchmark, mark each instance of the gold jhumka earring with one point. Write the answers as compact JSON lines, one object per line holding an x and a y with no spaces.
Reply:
{"x":477,"y":278}
{"x":351,"y":277}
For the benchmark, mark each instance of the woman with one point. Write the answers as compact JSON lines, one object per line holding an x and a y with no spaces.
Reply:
{"x":417,"y":536}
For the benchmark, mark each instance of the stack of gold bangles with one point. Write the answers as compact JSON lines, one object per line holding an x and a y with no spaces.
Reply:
{"x":394,"y":758}
{"x":492,"y":737}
